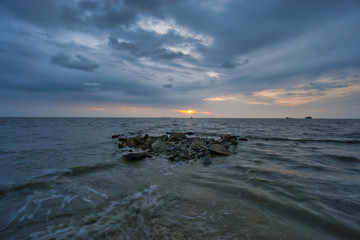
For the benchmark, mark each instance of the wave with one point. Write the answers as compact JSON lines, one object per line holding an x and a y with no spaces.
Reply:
{"x":80,"y":170}
{"x":279,"y":203}
{"x":19,"y":187}
{"x":352,"y":135}
{"x":303,"y":140}
{"x":265,"y":138}
{"x":125,"y":217}
{"x":44,"y":180}
{"x":207,"y":134}
{"x":343,"y":158}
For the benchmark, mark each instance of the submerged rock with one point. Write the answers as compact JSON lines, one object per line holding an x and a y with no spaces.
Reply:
{"x":206,"y":161}
{"x":115,"y":136}
{"x":186,"y":133}
{"x":121,"y":145}
{"x":134,"y":156}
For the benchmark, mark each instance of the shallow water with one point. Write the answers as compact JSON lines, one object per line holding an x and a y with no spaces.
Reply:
{"x":64,"y":178}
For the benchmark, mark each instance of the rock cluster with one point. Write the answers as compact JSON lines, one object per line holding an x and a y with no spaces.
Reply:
{"x":176,"y":146}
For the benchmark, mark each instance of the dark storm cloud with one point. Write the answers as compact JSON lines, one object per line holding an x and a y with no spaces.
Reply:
{"x":78,"y":62}
{"x":168,"y":85}
{"x":99,"y":14}
{"x":123,"y":46}
{"x":58,"y":85}
{"x":41,"y":12}
{"x":231,"y":65}
{"x":153,"y":54}
{"x":84,"y":14}
{"x":244,"y":27}
{"x":164,"y":54}
{"x":149,"y":6}
{"x":109,"y":14}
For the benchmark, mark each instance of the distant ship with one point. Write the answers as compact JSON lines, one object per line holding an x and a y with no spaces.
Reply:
{"x":308,"y":117}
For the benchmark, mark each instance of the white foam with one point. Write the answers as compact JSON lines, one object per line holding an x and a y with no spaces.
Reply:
{"x":87,"y":200}
{"x":67,"y":200}
{"x":96,"y":192}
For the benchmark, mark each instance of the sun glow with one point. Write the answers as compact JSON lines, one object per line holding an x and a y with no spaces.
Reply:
{"x":189,"y":111}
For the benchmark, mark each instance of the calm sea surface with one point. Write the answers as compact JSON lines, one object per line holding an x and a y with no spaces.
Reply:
{"x":64,"y":178}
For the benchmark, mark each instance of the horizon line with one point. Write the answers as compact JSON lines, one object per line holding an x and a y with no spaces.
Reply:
{"x":286,"y":118}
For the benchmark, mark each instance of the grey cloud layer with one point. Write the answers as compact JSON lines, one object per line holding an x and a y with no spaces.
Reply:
{"x":154,"y":54}
{"x":255,"y":45}
{"x":78,"y":62}
{"x":110,"y":14}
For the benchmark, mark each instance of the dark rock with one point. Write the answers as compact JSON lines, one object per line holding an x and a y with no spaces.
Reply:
{"x":210,"y":141}
{"x":148,"y":142}
{"x":159,"y":146}
{"x":177,"y":146}
{"x":135,"y":156}
{"x":164,"y":137}
{"x":219,"y":149}
{"x":115,"y":136}
{"x":242,"y":139}
{"x":177,"y":137}
{"x":206,"y":161}
{"x":201,"y":154}
{"x":197,"y":144}
{"x":145,"y":137}
{"x":229,"y":138}
{"x":135,"y":142}
{"x":187,"y":133}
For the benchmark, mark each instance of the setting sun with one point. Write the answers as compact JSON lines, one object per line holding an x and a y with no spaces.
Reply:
{"x":189,"y":111}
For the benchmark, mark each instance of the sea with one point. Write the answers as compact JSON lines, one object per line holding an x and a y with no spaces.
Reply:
{"x":65,"y":178}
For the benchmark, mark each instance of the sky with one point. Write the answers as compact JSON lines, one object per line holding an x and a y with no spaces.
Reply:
{"x":176,"y":58}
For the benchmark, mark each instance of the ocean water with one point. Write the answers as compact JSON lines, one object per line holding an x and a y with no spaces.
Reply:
{"x":64,"y":178}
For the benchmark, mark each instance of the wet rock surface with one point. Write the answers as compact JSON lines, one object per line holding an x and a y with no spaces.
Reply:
{"x":134,"y":156}
{"x":219,"y":149}
{"x":206,"y":161}
{"x":177,"y":146}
